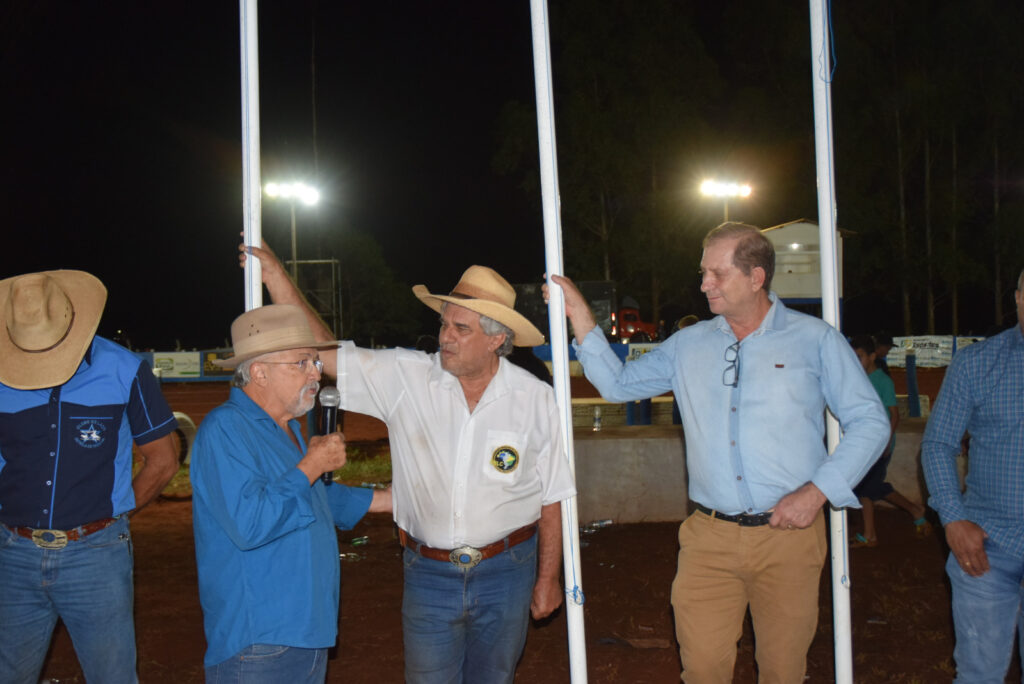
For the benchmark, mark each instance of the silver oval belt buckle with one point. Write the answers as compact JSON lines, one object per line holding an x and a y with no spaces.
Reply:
{"x":465,"y":556}
{"x":49,"y":539}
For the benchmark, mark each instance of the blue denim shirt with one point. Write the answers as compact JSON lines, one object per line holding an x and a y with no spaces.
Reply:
{"x":750,"y":445}
{"x":266,"y":548}
{"x":983,"y":394}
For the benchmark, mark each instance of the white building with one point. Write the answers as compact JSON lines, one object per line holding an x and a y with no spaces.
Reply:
{"x":798,"y":263}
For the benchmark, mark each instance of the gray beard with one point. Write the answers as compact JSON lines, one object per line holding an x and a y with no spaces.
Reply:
{"x":304,"y":406}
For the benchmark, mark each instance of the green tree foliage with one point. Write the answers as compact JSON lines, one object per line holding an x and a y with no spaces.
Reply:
{"x":632,"y":87}
{"x":946,"y":70}
{"x":377,"y":308}
{"x":650,"y":96}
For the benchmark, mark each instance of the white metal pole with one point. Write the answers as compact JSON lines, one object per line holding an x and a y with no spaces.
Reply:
{"x":821,"y":78}
{"x":251,"y":192}
{"x":295,"y":251}
{"x":559,"y":338}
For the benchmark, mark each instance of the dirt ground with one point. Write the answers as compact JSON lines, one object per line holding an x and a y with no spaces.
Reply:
{"x":900,"y":606}
{"x":902,"y":629}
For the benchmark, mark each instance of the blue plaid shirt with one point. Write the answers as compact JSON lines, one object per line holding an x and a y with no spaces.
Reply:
{"x":983,"y":394}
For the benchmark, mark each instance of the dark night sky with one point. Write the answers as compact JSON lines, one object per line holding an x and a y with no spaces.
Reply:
{"x":122,"y":145}
{"x":121,"y":141}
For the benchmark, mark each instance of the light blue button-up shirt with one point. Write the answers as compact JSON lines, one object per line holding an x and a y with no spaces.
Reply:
{"x":750,"y":445}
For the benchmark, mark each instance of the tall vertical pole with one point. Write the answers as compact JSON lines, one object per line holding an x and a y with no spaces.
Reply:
{"x":821,"y":78}
{"x":295,"y":251}
{"x":251,"y":193}
{"x":559,"y":338}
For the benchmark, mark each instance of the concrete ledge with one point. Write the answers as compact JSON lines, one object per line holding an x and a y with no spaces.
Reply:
{"x":905,"y":472}
{"x":631,"y":473}
{"x":638,"y":473}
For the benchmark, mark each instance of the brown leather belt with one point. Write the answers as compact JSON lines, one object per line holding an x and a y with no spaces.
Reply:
{"x":466,"y":556}
{"x":58,"y":539}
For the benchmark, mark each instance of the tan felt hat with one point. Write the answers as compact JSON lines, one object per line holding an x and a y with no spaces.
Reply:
{"x":49,"y":319}
{"x":270,"y":328}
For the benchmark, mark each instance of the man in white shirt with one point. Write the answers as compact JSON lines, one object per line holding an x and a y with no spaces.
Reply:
{"x":478,"y":475}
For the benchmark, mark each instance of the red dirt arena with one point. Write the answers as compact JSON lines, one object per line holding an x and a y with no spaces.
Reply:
{"x":902,"y":629}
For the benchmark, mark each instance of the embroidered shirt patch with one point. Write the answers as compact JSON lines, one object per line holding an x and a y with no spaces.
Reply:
{"x":505,"y":459}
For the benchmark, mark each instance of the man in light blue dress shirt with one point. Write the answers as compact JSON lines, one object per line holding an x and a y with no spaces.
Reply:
{"x":752,"y":385}
{"x":983,"y":395}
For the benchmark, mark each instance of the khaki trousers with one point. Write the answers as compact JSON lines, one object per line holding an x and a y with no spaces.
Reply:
{"x":724,"y":568}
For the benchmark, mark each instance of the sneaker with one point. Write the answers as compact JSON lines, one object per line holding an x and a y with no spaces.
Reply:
{"x":860,"y":542}
{"x":922,"y":527}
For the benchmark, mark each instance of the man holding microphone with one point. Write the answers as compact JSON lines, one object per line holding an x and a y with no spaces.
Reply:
{"x":266,"y":550}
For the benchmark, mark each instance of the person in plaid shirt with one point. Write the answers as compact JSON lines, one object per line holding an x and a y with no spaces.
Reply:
{"x":983,"y":395}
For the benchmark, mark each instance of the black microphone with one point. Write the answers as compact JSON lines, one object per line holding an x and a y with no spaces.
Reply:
{"x":330,"y":399}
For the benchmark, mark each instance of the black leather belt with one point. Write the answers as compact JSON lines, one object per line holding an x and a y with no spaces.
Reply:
{"x":743,"y":519}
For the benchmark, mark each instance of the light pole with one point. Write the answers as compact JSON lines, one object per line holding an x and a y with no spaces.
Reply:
{"x":714,"y":188}
{"x":306,"y":194}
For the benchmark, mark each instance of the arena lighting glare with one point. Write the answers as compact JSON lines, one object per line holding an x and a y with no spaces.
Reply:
{"x":291,"y":192}
{"x":724,"y":191}
{"x":713,"y":188}
{"x":306,"y":194}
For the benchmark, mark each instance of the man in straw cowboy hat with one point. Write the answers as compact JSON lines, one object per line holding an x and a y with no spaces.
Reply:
{"x":71,"y":404}
{"x":266,"y":549}
{"x":479,"y":473}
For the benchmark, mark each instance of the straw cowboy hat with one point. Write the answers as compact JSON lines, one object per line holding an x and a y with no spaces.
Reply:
{"x":49,"y":319}
{"x":482,"y":290}
{"x":270,"y":328}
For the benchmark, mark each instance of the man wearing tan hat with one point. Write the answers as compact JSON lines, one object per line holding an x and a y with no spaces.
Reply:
{"x":266,"y":549}
{"x":71,"y":404}
{"x":479,"y":472}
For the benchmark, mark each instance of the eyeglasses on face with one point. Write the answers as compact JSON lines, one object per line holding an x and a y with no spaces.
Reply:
{"x":731,"y":374}
{"x":302,"y":364}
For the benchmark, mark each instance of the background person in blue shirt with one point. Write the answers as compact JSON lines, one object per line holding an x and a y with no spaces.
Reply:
{"x":982,"y":394}
{"x":71,"y":404}
{"x":874,"y":486}
{"x":266,"y":548}
{"x":752,"y":385}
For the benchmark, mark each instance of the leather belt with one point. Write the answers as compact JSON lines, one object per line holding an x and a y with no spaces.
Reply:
{"x":58,"y":539}
{"x":466,"y":556}
{"x":743,"y":519}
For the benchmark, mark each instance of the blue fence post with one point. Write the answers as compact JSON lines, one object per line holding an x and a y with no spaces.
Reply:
{"x":644,"y":412}
{"x":913,"y":400}
{"x":638,"y":412}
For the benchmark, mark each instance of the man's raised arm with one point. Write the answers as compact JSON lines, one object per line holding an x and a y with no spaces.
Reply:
{"x":284,"y":291}
{"x":576,"y":307}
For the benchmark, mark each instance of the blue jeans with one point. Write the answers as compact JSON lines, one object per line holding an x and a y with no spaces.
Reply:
{"x":986,"y":613}
{"x":467,"y":625}
{"x":88,"y":584}
{"x":271,"y":664}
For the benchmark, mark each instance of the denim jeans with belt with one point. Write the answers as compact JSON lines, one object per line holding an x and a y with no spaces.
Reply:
{"x":986,"y":614}
{"x":467,"y":624}
{"x":88,"y":584}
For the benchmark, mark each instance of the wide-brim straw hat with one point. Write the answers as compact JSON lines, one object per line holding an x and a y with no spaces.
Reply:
{"x":49,"y":320}
{"x":268,"y":329}
{"x":482,"y":290}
